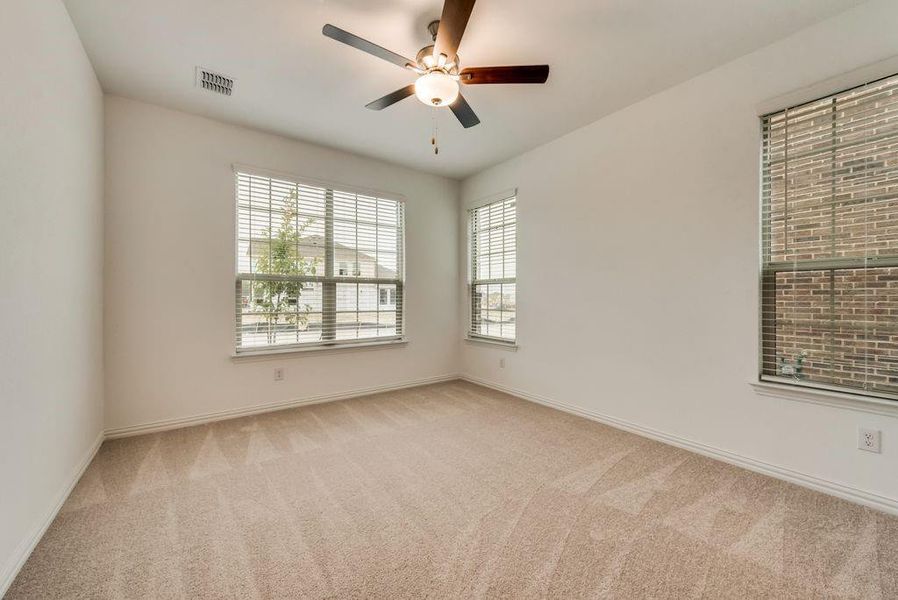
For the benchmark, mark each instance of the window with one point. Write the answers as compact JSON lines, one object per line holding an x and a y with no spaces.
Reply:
{"x":387,"y":297}
{"x":313,"y":263}
{"x":829,"y":293}
{"x":344,"y":269}
{"x":492,"y":286}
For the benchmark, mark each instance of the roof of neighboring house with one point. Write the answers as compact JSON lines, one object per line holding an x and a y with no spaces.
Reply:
{"x":316,"y":242}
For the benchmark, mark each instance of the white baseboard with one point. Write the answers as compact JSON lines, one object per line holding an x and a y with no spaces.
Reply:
{"x":233,"y":413}
{"x":883,"y":503}
{"x":21,"y":554}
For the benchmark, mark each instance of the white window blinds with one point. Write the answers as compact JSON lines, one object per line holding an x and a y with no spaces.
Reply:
{"x":493,"y":251}
{"x":316,"y":265}
{"x":829,"y":301}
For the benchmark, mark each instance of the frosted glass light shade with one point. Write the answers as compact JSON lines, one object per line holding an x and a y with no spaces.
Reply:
{"x":436,"y":89}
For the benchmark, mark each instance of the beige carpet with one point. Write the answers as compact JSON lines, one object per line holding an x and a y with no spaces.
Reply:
{"x":446,"y":491}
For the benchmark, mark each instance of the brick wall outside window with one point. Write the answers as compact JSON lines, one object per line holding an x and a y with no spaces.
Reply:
{"x":830,"y":241}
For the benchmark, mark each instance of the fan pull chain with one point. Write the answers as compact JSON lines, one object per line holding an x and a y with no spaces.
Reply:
{"x":433,"y":137}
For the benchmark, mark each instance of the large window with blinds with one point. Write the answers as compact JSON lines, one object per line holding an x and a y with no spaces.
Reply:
{"x":493,"y":270}
{"x":316,"y":265}
{"x":829,"y":294}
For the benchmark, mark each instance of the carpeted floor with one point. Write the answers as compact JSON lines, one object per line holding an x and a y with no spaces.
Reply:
{"x":445,"y":491}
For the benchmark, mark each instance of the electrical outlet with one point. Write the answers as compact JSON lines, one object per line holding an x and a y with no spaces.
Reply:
{"x":501,"y":363}
{"x":869,"y":440}
{"x":279,"y":373}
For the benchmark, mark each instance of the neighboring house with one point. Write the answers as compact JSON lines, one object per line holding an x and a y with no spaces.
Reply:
{"x":348,"y":261}
{"x":361,"y":299}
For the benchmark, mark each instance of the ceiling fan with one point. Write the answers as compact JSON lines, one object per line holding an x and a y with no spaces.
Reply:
{"x":437,"y":65}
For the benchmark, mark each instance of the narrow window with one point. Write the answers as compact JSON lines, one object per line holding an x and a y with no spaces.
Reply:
{"x":492,"y":286}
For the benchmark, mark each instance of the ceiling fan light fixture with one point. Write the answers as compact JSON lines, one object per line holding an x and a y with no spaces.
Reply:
{"x":436,"y":89}
{"x":437,"y":65}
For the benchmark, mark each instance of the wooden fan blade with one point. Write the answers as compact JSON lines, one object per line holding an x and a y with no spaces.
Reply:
{"x":390,"y":99}
{"x":452,"y":26}
{"x":463,"y":112}
{"x":521,"y":74}
{"x":335,"y":33}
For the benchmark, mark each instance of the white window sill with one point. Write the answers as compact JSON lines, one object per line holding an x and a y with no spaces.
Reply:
{"x":510,"y":346}
{"x":273,"y":353}
{"x":799,"y":393}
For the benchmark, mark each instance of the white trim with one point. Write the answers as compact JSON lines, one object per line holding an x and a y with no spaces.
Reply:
{"x":315,"y":182}
{"x":221,"y":415}
{"x":830,"y":86}
{"x":825,"y":397}
{"x":24,"y":550}
{"x":497,"y":197}
{"x":510,"y":345}
{"x":879,"y":502}
{"x":271,"y":353}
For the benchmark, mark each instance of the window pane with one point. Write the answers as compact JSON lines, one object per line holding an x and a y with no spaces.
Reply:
{"x":280,"y":226}
{"x":508,"y":310}
{"x":353,"y":326}
{"x":278,"y":312}
{"x":803,"y":332}
{"x":831,"y":327}
{"x":366,"y":310}
{"x":367,"y":236}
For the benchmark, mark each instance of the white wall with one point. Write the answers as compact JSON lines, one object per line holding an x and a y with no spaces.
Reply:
{"x":638,"y":254}
{"x":51,"y":246}
{"x":169,"y":306}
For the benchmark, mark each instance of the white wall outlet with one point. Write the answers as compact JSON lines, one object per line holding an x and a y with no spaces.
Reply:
{"x":869,"y":440}
{"x":501,"y":363}
{"x":279,"y":373}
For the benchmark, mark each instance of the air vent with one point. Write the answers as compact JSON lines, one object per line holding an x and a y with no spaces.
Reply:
{"x":214,"y":82}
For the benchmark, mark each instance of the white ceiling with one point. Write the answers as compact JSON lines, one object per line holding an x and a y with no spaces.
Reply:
{"x":604,"y":55}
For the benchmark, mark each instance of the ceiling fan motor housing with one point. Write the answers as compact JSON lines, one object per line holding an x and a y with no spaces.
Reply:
{"x":426,"y":61}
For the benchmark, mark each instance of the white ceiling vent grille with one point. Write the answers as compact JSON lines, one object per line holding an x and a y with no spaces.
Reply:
{"x":214,"y":82}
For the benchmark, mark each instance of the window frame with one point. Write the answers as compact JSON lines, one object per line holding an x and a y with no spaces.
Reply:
{"x":769,"y":269}
{"x":328,"y":282}
{"x":470,"y":336}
